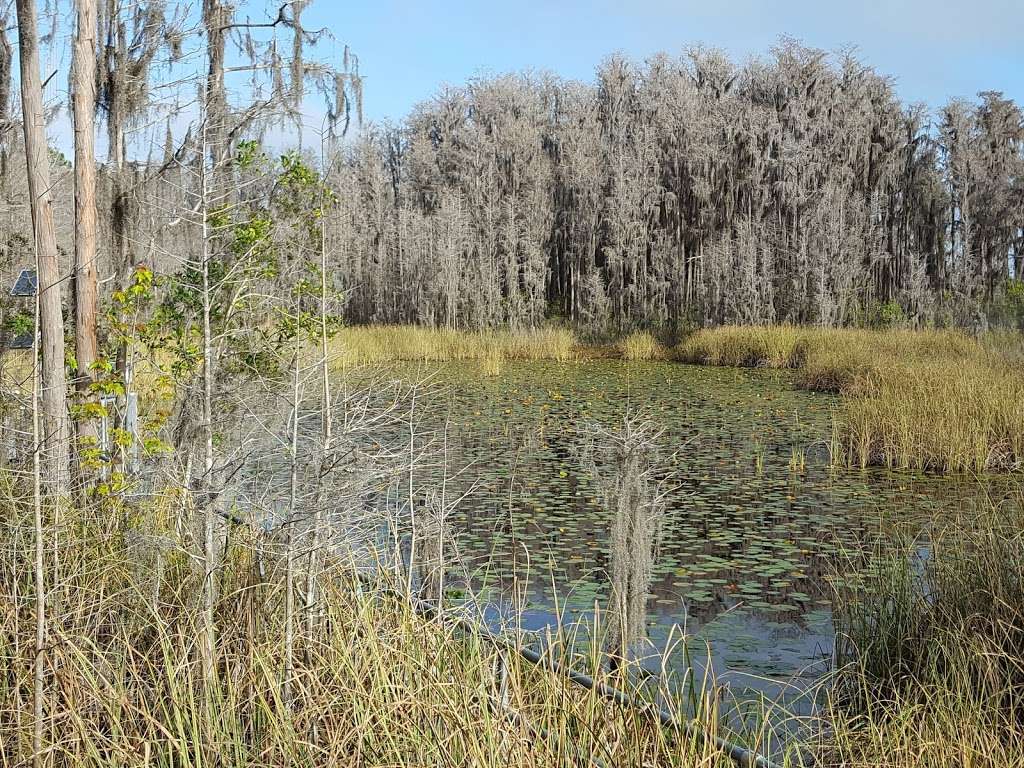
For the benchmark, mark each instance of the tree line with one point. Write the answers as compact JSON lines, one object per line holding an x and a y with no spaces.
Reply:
{"x":684,"y":192}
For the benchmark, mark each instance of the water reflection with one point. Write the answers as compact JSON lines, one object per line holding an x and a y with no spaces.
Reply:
{"x":754,"y":524}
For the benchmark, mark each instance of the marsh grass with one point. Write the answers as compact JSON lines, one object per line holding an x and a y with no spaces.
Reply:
{"x":938,"y":415}
{"x":377,"y":685}
{"x":743,"y":346}
{"x":930,"y":650}
{"x":641,"y":345}
{"x":354,"y":345}
{"x":923,"y":400}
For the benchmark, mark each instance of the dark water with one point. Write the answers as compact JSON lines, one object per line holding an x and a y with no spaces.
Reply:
{"x":756,"y":525}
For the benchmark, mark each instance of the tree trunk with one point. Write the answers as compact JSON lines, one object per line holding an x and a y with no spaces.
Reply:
{"x":84,"y":105}
{"x":56,"y":443}
{"x":6,"y":57}
{"x":216,"y":17}
{"x":38,"y":671}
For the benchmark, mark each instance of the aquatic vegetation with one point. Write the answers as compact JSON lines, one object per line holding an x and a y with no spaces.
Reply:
{"x":745,"y":542}
{"x":927,"y":400}
{"x":641,"y":345}
{"x":742,"y":346}
{"x":938,"y":415}
{"x":931,"y":649}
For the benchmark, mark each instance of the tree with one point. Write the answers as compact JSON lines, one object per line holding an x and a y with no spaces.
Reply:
{"x":84,"y":101}
{"x":56,"y":434}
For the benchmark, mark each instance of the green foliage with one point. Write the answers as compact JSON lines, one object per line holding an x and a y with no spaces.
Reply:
{"x":890,"y":314}
{"x":1008,"y":307}
{"x":248,"y":154}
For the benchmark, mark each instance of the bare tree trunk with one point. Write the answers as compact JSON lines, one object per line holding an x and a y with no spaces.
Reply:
{"x":56,"y":441}
{"x":209,"y":555}
{"x":326,"y":421}
{"x":38,"y":568}
{"x":215,"y":21}
{"x":84,"y":95}
{"x":6,"y":57}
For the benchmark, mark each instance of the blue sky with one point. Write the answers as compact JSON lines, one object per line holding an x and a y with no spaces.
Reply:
{"x":934,"y":48}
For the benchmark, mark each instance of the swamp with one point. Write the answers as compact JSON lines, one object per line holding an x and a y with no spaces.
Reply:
{"x":672,"y":416}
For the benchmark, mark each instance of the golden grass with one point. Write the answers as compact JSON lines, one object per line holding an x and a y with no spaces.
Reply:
{"x":927,"y":400}
{"x":357,"y":345}
{"x":641,"y":345}
{"x":375,"y":685}
{"x":945,"y":414}
{"x":743,"y":346}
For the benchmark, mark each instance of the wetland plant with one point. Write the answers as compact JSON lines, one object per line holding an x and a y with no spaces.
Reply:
{"x":625,"y":463}
{"x":930,"y":649}
{"x":923,"y":400}
{"x":641,"y":345}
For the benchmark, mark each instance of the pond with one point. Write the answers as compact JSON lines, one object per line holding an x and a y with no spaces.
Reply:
{"x":755,"y":524}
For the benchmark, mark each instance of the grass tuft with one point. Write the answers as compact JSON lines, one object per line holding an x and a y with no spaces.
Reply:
{"x":356,"y":345}
{"x":641,"y":345}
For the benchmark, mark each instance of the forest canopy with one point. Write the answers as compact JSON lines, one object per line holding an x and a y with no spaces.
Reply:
{"x":687,"y":191}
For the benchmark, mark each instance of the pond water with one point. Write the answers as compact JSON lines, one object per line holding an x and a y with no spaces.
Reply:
{"x":754,"y":525}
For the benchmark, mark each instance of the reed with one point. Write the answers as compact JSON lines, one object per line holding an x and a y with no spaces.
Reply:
{"x":924,"y":400}
{"x":930,"y":650}
{"x":743,"y":346}
{"x":938,"y":415}
{"x":377,"y":685}
{"x":356,"y":345}
{"x":641,"y":345}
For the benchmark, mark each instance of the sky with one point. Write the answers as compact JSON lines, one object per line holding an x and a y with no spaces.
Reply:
{"x":935,"y":49}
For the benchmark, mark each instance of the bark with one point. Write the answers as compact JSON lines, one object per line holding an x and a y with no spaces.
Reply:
{"x":56,"y":434}
{"x":84,"y":108}
{"x":6,"y":57}
{"x":216,"y":16}
{"x":39,"y":657}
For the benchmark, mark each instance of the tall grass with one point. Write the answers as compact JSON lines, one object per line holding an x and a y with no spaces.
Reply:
{"x":743,"y":346}
{"x":938,"y":415}
{"x":641,"y":345}
{"x":931,"y":400}
{"x":931,"y":650}
{"x":377,"y":685}
{"x":387,"y":343}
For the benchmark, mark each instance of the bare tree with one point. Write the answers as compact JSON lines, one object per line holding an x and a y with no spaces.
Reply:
{"x":56,"y":433}
{"x":84,"y":107}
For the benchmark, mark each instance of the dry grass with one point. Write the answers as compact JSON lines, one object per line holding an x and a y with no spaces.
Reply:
{"x":355,"y":345}
{"x":943,"y":415}
{"x":932,"y":400}
{"x":641,"y":345}
{"x":376,"y":685}
{"x":743,"y":346}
